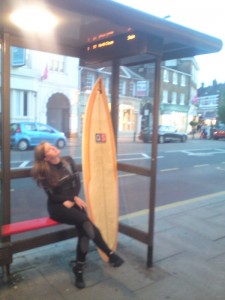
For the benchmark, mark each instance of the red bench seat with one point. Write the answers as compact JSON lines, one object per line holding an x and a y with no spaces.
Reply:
{"x":28,"y":225}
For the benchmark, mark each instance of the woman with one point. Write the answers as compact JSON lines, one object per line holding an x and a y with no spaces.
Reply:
{"x":58,"y":176}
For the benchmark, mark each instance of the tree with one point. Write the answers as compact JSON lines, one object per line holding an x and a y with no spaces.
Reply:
{"x":221,"y":107}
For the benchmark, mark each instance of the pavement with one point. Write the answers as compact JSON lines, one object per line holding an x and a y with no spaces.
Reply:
{"x":189,"y":260}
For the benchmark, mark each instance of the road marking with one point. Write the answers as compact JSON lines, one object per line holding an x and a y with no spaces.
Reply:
{"x":171,"y":205}
{"x":199,"y":152}
{"x":219,"y":168}
{"x":24,"y":164}
{"x":126,"y":159}
{"x":168,"y":170}
{"x":145,"y":155}
{"x":199,"y":166}
{"x":127,"y":175}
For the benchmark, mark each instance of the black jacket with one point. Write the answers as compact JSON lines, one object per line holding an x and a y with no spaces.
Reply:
{"x":68,"y":184}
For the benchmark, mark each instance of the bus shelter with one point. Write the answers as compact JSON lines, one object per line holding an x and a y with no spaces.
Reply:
{"x":100,"y":33}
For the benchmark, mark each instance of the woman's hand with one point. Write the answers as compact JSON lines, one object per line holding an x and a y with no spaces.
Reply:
{"x":79,"y":202}
{"x":68,"y":203}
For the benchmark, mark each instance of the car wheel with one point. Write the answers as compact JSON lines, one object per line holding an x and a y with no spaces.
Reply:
{"x":161,"y":139}
{"x":23,"y":145}
{"x":60,"y":144}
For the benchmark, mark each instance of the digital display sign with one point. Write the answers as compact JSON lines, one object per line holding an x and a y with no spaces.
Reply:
{"x":110,"y":42}
{"x":132,"y":43}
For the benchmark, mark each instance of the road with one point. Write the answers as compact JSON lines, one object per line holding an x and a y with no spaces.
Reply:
{"x":184,"y":171}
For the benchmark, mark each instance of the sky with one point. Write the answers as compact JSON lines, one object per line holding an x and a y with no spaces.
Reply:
{"x":206,"y":16}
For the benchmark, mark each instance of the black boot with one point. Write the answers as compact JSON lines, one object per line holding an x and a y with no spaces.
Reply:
{"x":115,"y":260}
{"x":78,"y":272}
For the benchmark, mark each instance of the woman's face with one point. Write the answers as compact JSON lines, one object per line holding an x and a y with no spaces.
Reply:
{"x":51,"y":153}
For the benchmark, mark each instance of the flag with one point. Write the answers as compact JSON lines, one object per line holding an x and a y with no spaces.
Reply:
{"x":45,"y":73}
{"x":194,"y":100}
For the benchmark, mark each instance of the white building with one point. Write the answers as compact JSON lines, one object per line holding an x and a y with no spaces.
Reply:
{"x":44,"y":88}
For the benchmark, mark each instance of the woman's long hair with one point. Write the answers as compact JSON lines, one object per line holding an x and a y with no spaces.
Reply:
{"x":42,"y":172}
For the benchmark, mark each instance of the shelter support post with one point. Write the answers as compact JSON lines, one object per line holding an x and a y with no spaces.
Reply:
{"x":152,"y":192}
{"x":5,"y":159}
{"x":115,"y":96}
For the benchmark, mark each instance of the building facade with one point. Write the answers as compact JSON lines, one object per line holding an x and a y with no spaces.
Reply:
{"x":44,"y":88}
{"x":208,"y":101}
{"x":54,"y":89}
{"x":129,"y":96}
{"x":177,"y":92}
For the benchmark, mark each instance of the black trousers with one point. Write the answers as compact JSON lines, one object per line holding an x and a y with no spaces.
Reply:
{"x":85,"y":228}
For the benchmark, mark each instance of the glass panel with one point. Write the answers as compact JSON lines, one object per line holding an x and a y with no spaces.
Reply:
{"x":134,"y":137}
{"x":44,"y":99}
{"x":136,"y":115}
{"x":28,"y":201}
{"x":133,"y":198}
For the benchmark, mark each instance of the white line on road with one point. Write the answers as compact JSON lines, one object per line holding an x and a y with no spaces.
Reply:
{"x":24,"y":164}
{"x":219,"y":168}
{"x":168,"y":170}
{"x":199,"y":166}
{"x":145,"y":155}
{"x":127,"y":175}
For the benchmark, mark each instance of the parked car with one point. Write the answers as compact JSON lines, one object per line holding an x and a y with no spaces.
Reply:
{"x":219,"y":132}
{"x":165,"y":134}
{"x":29,"y":134}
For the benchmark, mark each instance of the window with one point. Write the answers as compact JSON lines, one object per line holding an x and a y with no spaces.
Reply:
{"x":122,"y":88}
{"x":182,"y":98}
{"x":107,"y":85}
{"x":174,"y":97}
{"x":43,"y":128}
{"x":194,"y":74}
{"x":90,"y":81}
{"x":183,"y":80}
{"x":166,"y":76}
{"x":165,"y":97}
{"x":18,"y":57}
{"x":131,"y":88}
{"x":20,"y":104}
{"x":175,"y":78}
{"x":171,"y":63}
{"x":29,"y":127}
{"x":56,"y":63}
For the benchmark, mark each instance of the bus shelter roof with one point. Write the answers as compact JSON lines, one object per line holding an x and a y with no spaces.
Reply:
{"x":83,"y":23}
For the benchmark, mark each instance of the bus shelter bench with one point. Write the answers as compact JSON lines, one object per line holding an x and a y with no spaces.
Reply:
{"x":6,"y":253}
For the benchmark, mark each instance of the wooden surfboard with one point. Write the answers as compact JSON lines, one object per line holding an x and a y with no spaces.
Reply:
{"x":99,"y":166}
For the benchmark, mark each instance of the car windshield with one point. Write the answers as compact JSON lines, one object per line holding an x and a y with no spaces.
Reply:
{"x":13,"y":128}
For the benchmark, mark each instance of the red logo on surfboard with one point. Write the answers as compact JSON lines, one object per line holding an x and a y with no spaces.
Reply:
{"x":100,"y":138}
